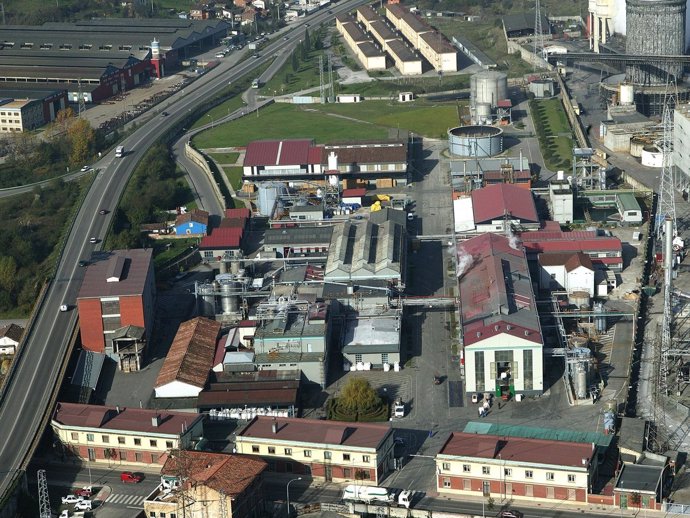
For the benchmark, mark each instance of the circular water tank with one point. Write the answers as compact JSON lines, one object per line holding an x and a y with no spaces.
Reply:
{"x":579,"y":299}
{"x":475,"y":141}
{"x":652,"y":156}
{"x":627,"y":94}
{"x":488,"y":86}
{"x":229,"y":301}
{"x":637,"y":144}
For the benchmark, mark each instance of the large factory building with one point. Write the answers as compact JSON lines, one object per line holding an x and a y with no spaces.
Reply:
{"x":100,"y":57}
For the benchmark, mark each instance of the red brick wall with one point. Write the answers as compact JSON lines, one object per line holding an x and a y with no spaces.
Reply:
{"x":130,"y":455}
{"x":91,"y":325}
{"x":518,"y":489}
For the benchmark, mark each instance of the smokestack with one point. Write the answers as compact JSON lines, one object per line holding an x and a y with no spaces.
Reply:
{"x":274,"y":426}
{"x":156,"y":420}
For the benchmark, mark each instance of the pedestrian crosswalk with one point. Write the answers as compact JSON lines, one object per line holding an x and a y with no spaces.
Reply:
{"x":129,"y":500}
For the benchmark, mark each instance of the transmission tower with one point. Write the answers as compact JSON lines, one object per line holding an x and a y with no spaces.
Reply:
{"x":331,"y":87}
{"x":538,"y":34}
{"x":322,"y":83}
{"x":43,"y":498}
{"x":667,"y":200}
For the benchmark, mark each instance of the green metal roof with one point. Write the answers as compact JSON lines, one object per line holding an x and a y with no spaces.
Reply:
{"x":628,"y":202}
{"x":551,"y":434}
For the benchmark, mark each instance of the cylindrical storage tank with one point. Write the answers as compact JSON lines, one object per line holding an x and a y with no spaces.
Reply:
{"x":579,"y":299}
{"x":489,"y":87}
{"x":482,"y":113}
{"x":600,"y":322}
{"x":475,"y":141}
{"x":654,"y":28}
{"x":652,"y":156}
{"x":627,"y":94}
{"x":206,"y":300}
{"x":266,"y":200}
{"x":636,"y":146}
{"x":581,"y":380}
{"x":228,"y":300}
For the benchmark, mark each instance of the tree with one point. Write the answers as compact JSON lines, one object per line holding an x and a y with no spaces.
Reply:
{"x":82,"y":137}
{"x":307,"y":41}
{"x":8,"y":273}
{"x":295,"y":62}
{"x":359,"y":396}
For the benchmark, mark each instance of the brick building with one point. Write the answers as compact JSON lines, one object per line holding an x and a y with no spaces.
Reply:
{"x":515,"y":468}
{"x":123,"y":436}
{"x":118,"y":290}
{"x":333,"y":451}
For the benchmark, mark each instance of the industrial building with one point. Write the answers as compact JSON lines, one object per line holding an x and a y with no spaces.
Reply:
{"x":118,"y":291}
{"x":332,"y":451}
{"x":133,"y":437}
{"x":26,"y":109}
{"x":517,"y":467}
{"x":98,"y":58}
{"x":370,"y":56}
{"x":495,"y":208}
{"x":570,"y":272}
{"x":468,"y":174}
{"x":501,"y":335}
{"x":431,"y":44}
{"x":371,"y":340}
{"x":521,"y":26}
{"x":288,"y":241}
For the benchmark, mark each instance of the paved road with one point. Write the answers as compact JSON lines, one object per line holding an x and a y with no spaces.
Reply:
{"x":36,"y":369}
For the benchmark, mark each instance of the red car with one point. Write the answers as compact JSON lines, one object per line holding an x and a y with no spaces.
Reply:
{"x":84,"y":491}
{"x":128,"y":476}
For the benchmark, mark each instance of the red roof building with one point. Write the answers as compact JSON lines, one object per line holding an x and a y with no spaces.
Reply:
{"x":118,"y":290}
{"x":222,"y":241}
{"x":495,"y":202}
{"x":281,"y":158}
{"x":128,"y":436}
{"x":523,"y":469}
{"x":333,"y":450}
{"x":501,"y":333}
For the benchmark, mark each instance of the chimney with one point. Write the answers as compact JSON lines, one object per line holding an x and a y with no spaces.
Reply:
{"x":117,"y":409}
{"x":156,"y":421}
{"x":274,"y":426}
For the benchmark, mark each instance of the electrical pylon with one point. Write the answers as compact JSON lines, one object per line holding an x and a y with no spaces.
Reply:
{"x":538,"y":33}
{"x":43,"y":498}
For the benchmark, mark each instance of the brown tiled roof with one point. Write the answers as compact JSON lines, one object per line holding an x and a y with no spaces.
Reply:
{"x":438,"y":42}
{"x":364,"y":435}
{"x":396,"y":10}
{"x":402,"y":51}
{"x":12,"y":331}
{"x":191,"y":354}
{"x":369,"y":49}
{"x":367,"y":152}
{"x":228,"y":474}
{"x":197,"y":215}
{"x":123,"y":419}
{"x":133,"y":281}
{"x":577,"y":260}
{"x":368,"y":12}
{"x":570,"y":260}
{"x":282,"y":397}
{"x":518,"y":449}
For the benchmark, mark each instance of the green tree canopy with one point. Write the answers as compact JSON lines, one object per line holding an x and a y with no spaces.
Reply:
{"x":359,"y":396}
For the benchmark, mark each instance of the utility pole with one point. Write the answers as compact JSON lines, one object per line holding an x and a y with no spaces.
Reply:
{"x":43,"y":497}
{"x":538,"y":33}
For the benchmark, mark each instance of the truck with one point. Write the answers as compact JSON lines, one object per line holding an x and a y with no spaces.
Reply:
{"x":370,"y":495}
{"x":120,"y":151}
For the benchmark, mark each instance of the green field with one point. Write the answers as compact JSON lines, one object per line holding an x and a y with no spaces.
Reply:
{"x":286,"y":121}
{"x":417,"y":85}
{"x":165,"y":250}
{"x":234,"y":174}
{"x":225,"y":158}
{"x":286,"y":80}
{"x":553,"y":130}
{"x":219,"y":111}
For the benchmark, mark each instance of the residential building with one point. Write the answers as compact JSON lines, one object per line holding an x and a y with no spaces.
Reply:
{"x":640,"y":486}
{"x":198,"y":484}
{"x":190,"y":359}
{"x":366,"y":15}
{"x":118,"y":290}
{"x":382,"y":33}
{"x":365,"y":250}
{"x":282,"y":159}
{"x":501,"y":334}
{"x":221,"y":242}
{"x":495,"y":208}
{"x":192,"y":223}
{"x":332,"y":451}
{"x":371,"y":56}
{"x":123,"y":436}
{"x":605,"y":252}
{"x":566,"y":271}
{"x":515,"y":468}
{"x":10,"y":337}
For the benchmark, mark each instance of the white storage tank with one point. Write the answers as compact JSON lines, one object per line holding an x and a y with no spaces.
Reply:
{"x":488,"y":86}
{"x":627,"y":94}
{"x":637,"y":144}
{"x":475,"y":141}
{"x":482,"y":113}
{"x":652,"y":156}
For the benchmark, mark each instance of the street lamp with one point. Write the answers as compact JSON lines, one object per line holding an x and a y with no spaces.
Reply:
{"x":212,"y":121}
{"x":287,"y":490}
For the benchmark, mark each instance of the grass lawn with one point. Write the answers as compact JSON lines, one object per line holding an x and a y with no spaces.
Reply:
{"x":555,"y":135}
{"x":286,"y":120}
{"x":223,"y":109}
{"x":234,"y":174}
{"x":418,"y":85}
{"x":225,"y":158}
{"x":421,"y":117}
{"x":287,"y":81}
{"x":165,"y":250}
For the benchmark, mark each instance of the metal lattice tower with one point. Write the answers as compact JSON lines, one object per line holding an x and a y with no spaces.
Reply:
{"x":322,"y":84}
{"x":538,"y":33}
{"x":667,"y":200}
{"x":43,"y":498}
{"x":331,"y":87}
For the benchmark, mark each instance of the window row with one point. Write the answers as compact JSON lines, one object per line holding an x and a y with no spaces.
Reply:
{"x":307,"y":453}
{"x":90,"y":437}
{"x":508,"y":472}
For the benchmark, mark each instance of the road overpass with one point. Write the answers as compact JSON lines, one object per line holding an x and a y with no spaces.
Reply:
{"x":26,"y":396}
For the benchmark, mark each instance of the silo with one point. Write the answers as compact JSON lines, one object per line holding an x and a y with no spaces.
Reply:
{"x":488,"y":86}
{"x":482,"y":113}
{"x":475,"y":141}
{"x":581,"y":380}
{"x":228,"y":299}
{"x":206,"y":299}
{"x":600,"y":322}
{"x":627,"y":94}
{"x":655,"y":28}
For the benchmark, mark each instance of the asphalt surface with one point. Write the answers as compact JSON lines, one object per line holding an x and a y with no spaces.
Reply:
{"x":36,"y":370}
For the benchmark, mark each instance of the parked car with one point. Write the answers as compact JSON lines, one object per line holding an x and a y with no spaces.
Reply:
{"x":410,"y":216}
{"x":84,"y":505}
{"x":129,"y":477}
{"x":65,"y":514}
{"x":72,"y":499}
{"x":86,"y":492}
{"x":510,"y":513}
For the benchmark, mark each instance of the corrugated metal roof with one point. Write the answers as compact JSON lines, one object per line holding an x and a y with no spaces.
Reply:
{"x":533,"y":432}
{"x":279,"y":152}
{"x":241,"y":213}
{"x":298,"y":236}
{"x":133,"y":280}
{"x":191,"y":354}
{"x":495,"y":201}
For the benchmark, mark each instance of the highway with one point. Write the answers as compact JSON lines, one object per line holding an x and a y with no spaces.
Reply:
{"x":36,"y":370}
